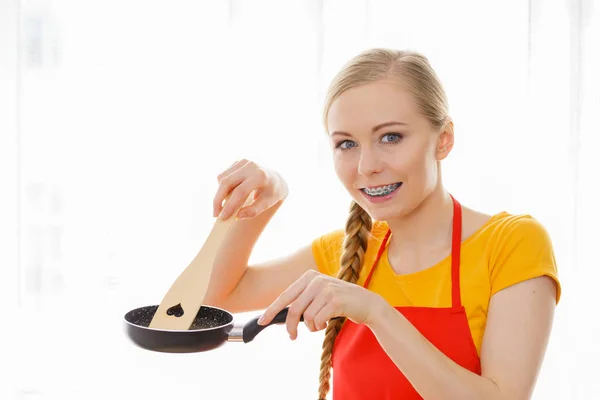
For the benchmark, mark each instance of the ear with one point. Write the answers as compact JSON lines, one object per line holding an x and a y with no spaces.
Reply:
{"x":445,"y":140}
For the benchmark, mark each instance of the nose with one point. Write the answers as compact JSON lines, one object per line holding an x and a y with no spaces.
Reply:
{"x":369,"y":162}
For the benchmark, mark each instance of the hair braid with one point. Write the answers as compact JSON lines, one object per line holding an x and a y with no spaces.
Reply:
{"x":358,"y":229}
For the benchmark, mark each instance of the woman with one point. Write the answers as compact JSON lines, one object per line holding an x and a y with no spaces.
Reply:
{"x":441,"y":301}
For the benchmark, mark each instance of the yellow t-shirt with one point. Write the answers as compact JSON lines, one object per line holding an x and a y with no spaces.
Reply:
{"x":507,"y":250}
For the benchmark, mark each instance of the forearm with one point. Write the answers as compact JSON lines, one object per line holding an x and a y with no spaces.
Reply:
{"x":431,"y":373}
{"x":232,"y":259}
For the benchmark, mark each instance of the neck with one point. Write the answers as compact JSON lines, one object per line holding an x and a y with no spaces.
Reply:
{"x":429,"y":225}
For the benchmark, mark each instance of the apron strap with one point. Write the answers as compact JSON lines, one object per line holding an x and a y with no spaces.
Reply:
{"x":379,"y":253}
{"x":456,"y":242}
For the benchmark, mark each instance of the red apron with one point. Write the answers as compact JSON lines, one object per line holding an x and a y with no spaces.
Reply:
{"x":362,"y":370}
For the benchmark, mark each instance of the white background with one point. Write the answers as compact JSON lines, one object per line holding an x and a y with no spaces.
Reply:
{"x":117,"y":116}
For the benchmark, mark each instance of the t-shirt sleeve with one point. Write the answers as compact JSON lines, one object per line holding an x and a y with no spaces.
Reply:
{"x":524,"y":251}
{"x":327,"y":251}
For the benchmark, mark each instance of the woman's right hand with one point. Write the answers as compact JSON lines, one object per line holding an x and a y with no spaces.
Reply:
{"x":239,"y":181}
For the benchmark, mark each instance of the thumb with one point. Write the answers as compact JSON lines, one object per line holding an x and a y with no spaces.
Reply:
{"x":256,"y":207}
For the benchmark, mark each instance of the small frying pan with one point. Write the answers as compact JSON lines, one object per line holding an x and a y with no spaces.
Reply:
{"x":181,"y":323}
{"x":211,"y":328}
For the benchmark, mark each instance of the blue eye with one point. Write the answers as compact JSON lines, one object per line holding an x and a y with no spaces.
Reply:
{"x":345,"y":145}
{"x":392,"y":138}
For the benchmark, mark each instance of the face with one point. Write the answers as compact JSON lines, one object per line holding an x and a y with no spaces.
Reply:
{"x":385,"y":152}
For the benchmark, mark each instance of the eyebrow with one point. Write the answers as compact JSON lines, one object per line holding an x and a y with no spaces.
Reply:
{"x":375,"y":128}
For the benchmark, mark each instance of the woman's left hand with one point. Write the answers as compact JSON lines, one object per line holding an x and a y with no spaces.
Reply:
{"x":319,"y":298}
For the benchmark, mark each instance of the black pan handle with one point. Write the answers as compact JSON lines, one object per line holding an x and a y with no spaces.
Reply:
{"x":252,"y":328}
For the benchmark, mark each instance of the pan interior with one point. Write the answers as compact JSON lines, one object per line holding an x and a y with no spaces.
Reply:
{"x":207,"y":317}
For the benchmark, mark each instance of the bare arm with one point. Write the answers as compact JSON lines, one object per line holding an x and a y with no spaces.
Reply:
{"x":261,"y":284}
{"x":236,"y":286}
{"x":518,"y":328}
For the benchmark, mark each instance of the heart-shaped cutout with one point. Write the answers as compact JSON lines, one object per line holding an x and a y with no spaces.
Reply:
{"x":176,"y":311}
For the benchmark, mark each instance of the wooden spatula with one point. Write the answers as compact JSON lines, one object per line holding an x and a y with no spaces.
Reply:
{"x":184,"y":299}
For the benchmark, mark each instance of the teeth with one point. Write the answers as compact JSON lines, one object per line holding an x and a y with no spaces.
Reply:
{"x":382,"y":190}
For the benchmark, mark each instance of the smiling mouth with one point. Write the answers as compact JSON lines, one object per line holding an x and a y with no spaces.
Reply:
{"x":381,"y":191}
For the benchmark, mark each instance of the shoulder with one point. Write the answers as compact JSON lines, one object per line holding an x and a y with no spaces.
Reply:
{"x":518,"y":229}
{"x":520,"y":248}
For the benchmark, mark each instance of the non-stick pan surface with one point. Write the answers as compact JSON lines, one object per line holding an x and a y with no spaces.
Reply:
{"x":211,"y":328}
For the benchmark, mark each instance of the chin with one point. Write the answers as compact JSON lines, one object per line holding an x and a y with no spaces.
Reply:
{"x":383,"y":213}
{"x":383,"y":216}
{"x":376,"y":213}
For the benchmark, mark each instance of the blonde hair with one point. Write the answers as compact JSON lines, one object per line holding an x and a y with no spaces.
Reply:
{"x":414,"y":71}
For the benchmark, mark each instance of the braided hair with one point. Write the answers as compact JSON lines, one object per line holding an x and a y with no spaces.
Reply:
{"x":358,"y":229}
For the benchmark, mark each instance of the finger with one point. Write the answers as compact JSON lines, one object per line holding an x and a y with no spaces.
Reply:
{"x":256,"y":207}
{"x":299,"y":307}
{"x":224,"y":189}
{"x":322,"y":317}
{"x":313,"y":309}
{"x":231,"y":169}
{"x":284,"y":299}
{"x":238,"y":197}
{"x":250,"y":172}
{"x":227,"y":181}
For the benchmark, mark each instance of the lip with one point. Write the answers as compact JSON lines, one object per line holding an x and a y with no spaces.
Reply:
{"x":376,"y":186}
{"x":381,"y":199}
